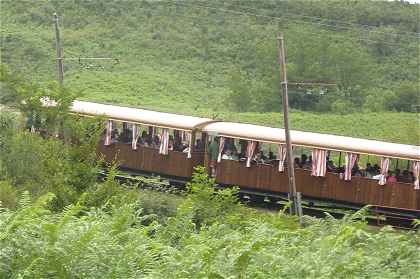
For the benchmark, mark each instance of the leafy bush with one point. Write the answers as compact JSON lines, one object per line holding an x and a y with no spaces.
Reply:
{"x":8,"y":195}
{"x":90,"y":243}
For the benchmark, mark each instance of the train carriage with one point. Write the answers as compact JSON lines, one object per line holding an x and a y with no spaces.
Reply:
{"x":264,"y":178}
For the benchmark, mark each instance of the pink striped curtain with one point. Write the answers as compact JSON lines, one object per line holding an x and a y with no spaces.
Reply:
{"x":136,"y":135}
{"x":190,"y":147}
{"x":250,"y":152}
{"x":282,"y":156}
{"x":319,"y":162}
{"x":221,"y":146}
{"x":108,"y":133}
{"x":416,"y":172}
{"x":384,"y":170}
{"x":351,"y":160}
{"x":164,"y":142}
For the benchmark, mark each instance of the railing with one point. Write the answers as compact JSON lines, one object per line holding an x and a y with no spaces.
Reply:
{"x":149,"y":160}
{"x":359,"y":190}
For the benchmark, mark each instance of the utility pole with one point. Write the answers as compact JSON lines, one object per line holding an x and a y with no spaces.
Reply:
{"x":59,"y":57}
{"x":296,"y":206}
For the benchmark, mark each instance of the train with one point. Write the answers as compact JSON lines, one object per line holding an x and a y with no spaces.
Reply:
{"x":267,"y":179}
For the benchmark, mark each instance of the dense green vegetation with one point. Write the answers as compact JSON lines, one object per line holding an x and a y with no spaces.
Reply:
{"x":58,"y":221}
{"x":196,"y":57}
{"x":102,"y":229}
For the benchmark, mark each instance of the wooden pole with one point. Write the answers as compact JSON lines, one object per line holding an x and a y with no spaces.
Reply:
{"x":296,"y":208}
{"x":60,"y":69}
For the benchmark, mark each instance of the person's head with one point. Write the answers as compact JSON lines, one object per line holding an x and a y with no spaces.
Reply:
{"x":144,"y":134}
{"x":297,"y":161}
{"x":389,"y":173}
{"x":310,"y":158}
{"x":397,"y":172}
{"x":303,"y":158}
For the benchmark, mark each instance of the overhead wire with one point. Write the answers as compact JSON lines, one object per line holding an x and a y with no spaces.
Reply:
{"x":368,"y":27}
{"x":304,"y":31}
{"x":248,"y":14}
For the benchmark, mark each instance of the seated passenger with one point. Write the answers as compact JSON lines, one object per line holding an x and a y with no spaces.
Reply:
{"x":199,"y":145}
{"x":243,"y":146}
{"x":303,"y":160}
{"x":355,"y":169}
{"x":369,"y":171}
{"x":156,"y":141}
{"x":178,"y":145}
{"x":330,"y":166}
{"x":171,"y":143}
{"x":259,"y":158}
{"x":391,"y":177}
{"x":357,"y":173}
{"x":308,"y":163}
{"x":227,"y":155}
{"x":376,"y":170}
{"x":145,"y":139}
{"x":297,"y":163}
{"x":398,"y":174}
{"x":115,"y":135}
{"x":125,"y":136}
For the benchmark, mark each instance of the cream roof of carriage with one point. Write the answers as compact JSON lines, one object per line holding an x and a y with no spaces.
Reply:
{"x":314,"y":140}
{"x":140,"y":116}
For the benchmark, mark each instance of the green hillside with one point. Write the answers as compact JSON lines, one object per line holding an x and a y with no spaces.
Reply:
{"x":218,"y":58}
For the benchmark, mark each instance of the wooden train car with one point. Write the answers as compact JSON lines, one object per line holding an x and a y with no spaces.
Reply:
{"x":265,"y":178}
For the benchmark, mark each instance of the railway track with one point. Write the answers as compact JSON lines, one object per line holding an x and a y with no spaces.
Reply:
{"x":377,"y":215}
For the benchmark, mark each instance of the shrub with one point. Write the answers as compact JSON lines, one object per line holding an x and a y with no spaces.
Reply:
{"x":8,"y":195}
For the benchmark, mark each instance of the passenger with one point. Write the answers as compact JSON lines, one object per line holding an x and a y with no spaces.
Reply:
{"x":398,"y":174}
{"x":330,"y":166}
{"x":213,"y":153}
{"x":297,"y":163}
{"x":260,"y":158}
{"x":369,"y":171}
{"x":308,"y":164}
{"x":171,"y":143}
{"x":156,"y":141}
{"x":227,"y":155}
{"x":199,"y":145}
{"x":355,"y":169}
{"x":235,"y":155}
{"x":357,"y":173}
{"x":303,"y":160}
{"x":125,"y":136}
{"x":391,"y":177}
{"x":145,"y":139}
{"x":411,"y":177}
{"x":178,"y":145}
{"x":376,"y":170}
{"x":115,"y":135}
{"x":271,"y":155}
{"x":243,"y":146}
